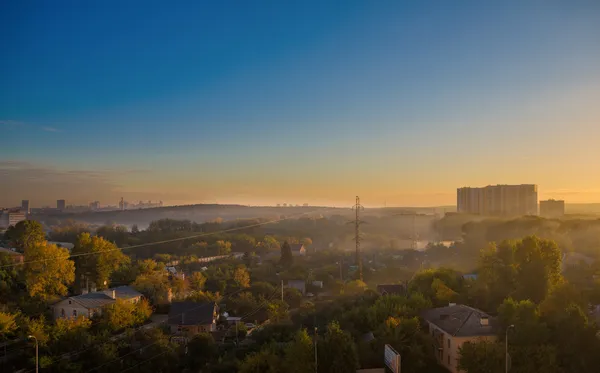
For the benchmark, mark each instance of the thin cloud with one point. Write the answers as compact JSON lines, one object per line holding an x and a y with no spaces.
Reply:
{"x":15,"y":123}
{"x":50,"y":129}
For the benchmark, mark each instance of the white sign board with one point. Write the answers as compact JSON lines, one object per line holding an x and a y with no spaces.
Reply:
{"x":391,"y":359}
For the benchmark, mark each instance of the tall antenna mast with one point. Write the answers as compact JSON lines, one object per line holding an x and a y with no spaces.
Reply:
{"x":357,"y":222}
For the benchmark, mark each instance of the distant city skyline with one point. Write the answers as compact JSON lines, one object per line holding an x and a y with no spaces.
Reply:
{"x":399,"y":102}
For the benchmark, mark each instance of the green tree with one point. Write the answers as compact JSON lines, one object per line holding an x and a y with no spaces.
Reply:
{"x":201,"y":350}
{"x":538,"y":268}
{"x":270,"y":243}
{"x":287,"y":259}
{"x":299,"y":356}
{"x":264,"y":361}
{"x":293,"y":297}
{"x":481,"y":357}
{"x":337,"y":351}
{"x":277,"y":310}
{"x":96,"y":259}
{"x":197,"y":281}
{"x":25,"y":234}
{"x":241,"y":276}
{"x":355,"y":287}
{"x":155,"y":286}
{"x":48,"y":270}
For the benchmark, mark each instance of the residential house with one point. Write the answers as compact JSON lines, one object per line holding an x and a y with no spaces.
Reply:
{"x":297,"y":284}
{"x":391,"y":289}
{"x":91,"y":304}
{"x":16,"y":256}
{"x":190,"y":318}
{"x":298,"y":249}
{"x":455,"y":325}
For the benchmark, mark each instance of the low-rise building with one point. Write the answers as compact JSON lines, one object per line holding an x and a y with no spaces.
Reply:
{"x":455,"y":325}
{"x":300,"y":285}
{"x":190,"y":318}
{"x":91,"y":304}
{"x":16,"y":256}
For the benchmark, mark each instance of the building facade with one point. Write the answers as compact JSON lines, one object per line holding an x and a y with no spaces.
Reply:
{"x":25,"y":206}
{"x":61,"y":204}
{"x":452,"y":326}
{"x":507,"y":200}
{"x":10,"y":218}
{"x":552,"y":208}
{"x":91,"y":304}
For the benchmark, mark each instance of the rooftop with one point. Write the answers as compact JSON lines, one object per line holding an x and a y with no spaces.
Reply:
{"x":99,"y":299}
{"x":296,"y":246}
{"x":461,"y":321}
{"x":191,"y":313}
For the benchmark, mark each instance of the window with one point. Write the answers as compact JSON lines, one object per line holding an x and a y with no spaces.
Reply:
{"x":69,"y":302}
{"x":62,"y":312}
{"x":448,"y":342}
{"x":448,"y":359}
{"x":75,"y":313}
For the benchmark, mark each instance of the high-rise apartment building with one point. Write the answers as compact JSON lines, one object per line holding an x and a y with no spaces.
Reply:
{"x":552,"y":208}
{"x":61,"y":204}
{"x":512,"y":200}
{"x":25,"y":206}
{"x":11,"y":218}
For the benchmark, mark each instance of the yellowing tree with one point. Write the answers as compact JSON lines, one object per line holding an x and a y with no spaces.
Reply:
{"x":105,"y":258}
{"x":48,"y":270}
{"x":241,"y":277}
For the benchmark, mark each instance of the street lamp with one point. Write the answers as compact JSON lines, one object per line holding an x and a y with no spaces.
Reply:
{"x":36,"y":352}
{"x":506,"y":348}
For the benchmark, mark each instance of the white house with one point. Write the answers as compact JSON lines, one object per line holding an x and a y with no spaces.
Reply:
{"x":91,"y":304}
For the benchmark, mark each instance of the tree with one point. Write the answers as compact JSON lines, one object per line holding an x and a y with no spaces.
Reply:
{"x":135,"y":229}
{"x":155,"y":286}
{"x":355,"y":287}
{"x":201,"y":350}
{"x":293,"y":297}
{"x":48,"y":270}
{"x":123,"y":314}
{"x":241,"y":276}
{"x":264,"y":361}
{"x":300,"y":354}
{"x":97,"y":260}
{"x":197,"y":281}
{"x":25,"y":234}
{"x":223,"y":247}
{"x":337,"y":351}
{"x":481,"y":357}
{"x":538,"y":268}
{"x":270,"y":243}
{"x":287,"y":259}
{"x":8,"y":325}
{"x":277,"y":310}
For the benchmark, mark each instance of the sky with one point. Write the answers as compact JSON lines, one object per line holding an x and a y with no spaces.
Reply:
{"x":265,"y":102}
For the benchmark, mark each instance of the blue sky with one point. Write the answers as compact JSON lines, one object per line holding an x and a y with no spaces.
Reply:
{"x":274,"y":101}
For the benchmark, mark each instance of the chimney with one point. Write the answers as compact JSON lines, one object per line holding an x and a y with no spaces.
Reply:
{"x":111,"y":293}
{"x":484,"y":321}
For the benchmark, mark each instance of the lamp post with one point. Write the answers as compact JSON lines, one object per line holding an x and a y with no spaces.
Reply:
{"x":36,"y":352}
{"x":506,"y":348}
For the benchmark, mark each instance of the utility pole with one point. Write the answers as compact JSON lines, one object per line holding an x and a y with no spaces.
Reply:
{"x":282,"y":290}
{"x":315,"y":343}
{"x":357,"y":222}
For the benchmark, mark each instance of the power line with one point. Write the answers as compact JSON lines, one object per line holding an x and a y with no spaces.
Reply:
{"x":164,"y":241}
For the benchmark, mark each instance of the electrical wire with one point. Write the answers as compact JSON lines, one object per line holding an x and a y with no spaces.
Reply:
{"x":164,"y":241}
